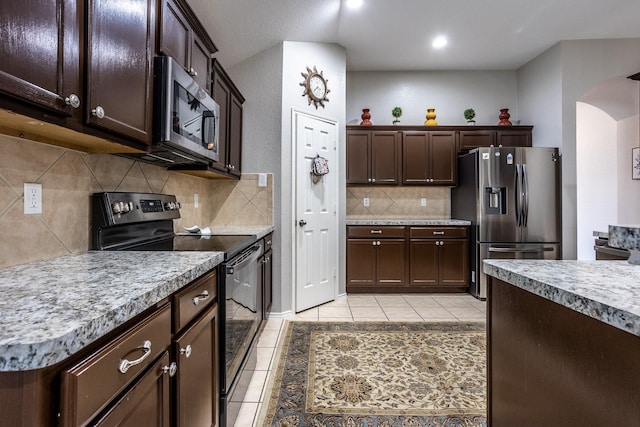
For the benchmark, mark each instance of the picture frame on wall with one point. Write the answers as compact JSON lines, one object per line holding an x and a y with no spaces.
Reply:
{"x":635,"y":163}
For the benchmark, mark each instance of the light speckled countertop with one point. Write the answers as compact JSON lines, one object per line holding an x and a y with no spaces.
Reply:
{"x":608,"y":291}
{"x":50,"y":309}
{"x":406,"y":221}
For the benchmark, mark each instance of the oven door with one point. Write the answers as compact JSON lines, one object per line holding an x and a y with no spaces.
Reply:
{"x":243,"y":311}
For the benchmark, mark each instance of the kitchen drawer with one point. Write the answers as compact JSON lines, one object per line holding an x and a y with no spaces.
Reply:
{"x":193,"y":299}
{"x":375,"y":232}
{"x":90,"y":385}
{"x":439,"y":232}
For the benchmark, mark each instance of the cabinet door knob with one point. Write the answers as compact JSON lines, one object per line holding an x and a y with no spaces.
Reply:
{"x":302,"y":223}
{"x":171,"y":369}
{"x":369,"y":179}
{"x":98,"y":112}
{"x":72,"y":100}
{"x":186,"y":351}
{"x":373,"y":180}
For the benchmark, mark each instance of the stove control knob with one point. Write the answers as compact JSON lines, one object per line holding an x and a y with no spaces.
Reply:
{"x":131,"y":206}
{"x":125,"y":207}
{"x":170,"y":206}
{"x":116,"y":208}
{"x":178,"y":205}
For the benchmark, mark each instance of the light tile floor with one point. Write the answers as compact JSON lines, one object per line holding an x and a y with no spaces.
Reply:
{"x":354,"y":307}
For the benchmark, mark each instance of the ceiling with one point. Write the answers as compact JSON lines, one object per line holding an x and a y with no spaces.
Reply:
{"x":396,"y":34}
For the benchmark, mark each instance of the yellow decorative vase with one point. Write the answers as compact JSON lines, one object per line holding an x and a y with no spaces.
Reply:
{"x":431,"y":117}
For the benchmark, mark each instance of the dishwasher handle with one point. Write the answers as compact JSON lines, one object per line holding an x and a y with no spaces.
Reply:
{"x":245,"y":257}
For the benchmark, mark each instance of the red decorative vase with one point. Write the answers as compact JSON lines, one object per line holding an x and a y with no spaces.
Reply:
{"x":504,"y":117}
{"x":365,"y":118}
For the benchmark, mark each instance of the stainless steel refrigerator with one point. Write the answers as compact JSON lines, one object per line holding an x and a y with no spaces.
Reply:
{"x":512,"y":197}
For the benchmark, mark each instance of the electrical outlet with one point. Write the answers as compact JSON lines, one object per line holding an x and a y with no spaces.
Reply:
{"x":195,"y":200}
{"x":365,"y":201}
{"x":262,"y":180}
{"x":423,"y":202}
{"x":32,"y":198}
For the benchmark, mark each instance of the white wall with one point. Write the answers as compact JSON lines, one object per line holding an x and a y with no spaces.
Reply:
{"x":597,"y":176}
{"x":270,"y":81}
{"x":628,"y":189}
{"x":540,"y":97}
{"x":331,"y":59}
{"x":581,"y":65}
{"x":449,"y":92}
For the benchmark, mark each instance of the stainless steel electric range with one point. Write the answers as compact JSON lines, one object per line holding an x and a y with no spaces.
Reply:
{"x":123,"y":221}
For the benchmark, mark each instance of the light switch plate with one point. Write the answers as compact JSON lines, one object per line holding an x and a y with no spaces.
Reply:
{"x":365,"y":201}
{"x":32,"y":198}
{"x":423,"y":202}
{"x":195,"y":200}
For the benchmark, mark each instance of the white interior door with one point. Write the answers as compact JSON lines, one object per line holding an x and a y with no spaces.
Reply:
{"x":316,"y":212}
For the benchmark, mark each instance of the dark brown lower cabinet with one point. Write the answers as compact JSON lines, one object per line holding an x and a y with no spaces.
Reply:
{"x":129,"y":377}
{"x":549,"y":365}
{"x":197,"y":375}
{"x":432,"y":259}
{"x":146,"y":403}
{"x":375,"y":264}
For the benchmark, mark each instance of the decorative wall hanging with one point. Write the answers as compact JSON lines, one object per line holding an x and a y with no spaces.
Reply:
{"x":504,"y":117}
{"x":635,"y":163}
{"x":365,"y":118}
{"x":315,"y":87}
{"x":319,"y":168}
{"x":431,"y":117}
{"x":469,"y":116}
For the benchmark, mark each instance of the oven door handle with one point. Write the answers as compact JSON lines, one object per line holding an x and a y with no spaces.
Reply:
{"x":244,"y":258}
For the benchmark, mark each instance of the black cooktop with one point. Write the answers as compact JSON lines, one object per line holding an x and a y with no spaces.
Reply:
{"x":229,"y":244}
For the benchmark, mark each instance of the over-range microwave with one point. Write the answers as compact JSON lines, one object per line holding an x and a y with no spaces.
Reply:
{"x":186,"y":119}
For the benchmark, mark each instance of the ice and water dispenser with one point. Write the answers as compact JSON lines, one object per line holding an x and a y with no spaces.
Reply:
{"x":495,"y":200}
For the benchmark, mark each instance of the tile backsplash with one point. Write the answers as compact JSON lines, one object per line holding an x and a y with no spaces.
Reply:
{"x":69,"y":178}
{"x":387,"y":202}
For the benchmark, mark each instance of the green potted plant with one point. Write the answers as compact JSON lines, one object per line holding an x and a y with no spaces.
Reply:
{"x":396,"y":112}
{"x":469,"y":115}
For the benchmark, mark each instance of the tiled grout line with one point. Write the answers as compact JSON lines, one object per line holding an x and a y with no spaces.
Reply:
{"x":251,"y":410}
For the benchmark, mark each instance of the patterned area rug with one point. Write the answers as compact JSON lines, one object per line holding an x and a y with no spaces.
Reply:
{"x":383,"y":374}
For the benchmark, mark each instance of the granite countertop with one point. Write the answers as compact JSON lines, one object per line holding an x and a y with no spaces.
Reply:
{"x":604,"y":290}
{"x":52,"y":308}
{"x":406,"y":221}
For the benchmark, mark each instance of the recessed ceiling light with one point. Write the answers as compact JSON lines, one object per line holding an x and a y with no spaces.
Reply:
{"x":439,"y":42}
{"x":353,"y":4}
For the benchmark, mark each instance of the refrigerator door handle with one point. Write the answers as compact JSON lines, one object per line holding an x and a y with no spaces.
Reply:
{"x":518,"y":199}
{"x":509,"y":250}
{"x":525,"y":193}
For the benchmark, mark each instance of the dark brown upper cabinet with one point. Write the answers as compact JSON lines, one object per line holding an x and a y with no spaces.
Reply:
{"x":230,"y":100}
{"x":39,"y":51}
{"x":184,"y":39}
{"x":373,"y":157}
{"x":119,"y":77}
{"x":429,"y":158}
{"x":506,"y":136}
{"x":89,"y":63}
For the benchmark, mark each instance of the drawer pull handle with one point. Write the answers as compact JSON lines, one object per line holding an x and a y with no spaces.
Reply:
{"x":438,"y":233}
{"x":126,"y":364}
{"x":376,"y":231}
{"x":268,"y":242}
{"x":203,"y":296}
{"x":171,"y":369}
{"x":186,"y":351}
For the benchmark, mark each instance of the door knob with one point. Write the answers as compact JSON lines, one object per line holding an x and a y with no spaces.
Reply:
{"x":302,"y":223}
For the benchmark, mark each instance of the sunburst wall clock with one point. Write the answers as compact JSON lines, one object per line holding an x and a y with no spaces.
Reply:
{"x":315,"y":87}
